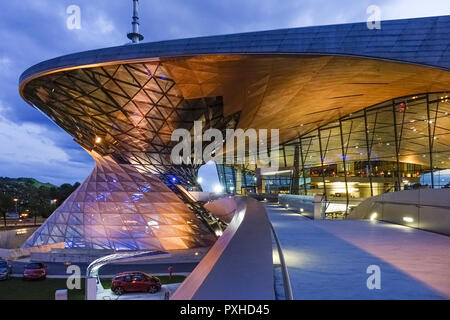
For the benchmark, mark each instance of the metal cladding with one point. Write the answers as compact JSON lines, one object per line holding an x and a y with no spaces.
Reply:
{"x":123,"y":103}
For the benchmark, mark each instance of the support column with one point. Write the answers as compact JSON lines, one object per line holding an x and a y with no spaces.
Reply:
{"x":305,"y":190}
{"x":369,"y":153}
{"x":344,"y":155}
{"x":238,"y":184}
{"x":295,"y":172}
{"x":430,"y":142}
{"x":397,"y":151}
{"x":322,"y":159}
{"x":260,"y":186}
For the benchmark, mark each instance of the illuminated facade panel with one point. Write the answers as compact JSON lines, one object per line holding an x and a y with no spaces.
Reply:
{"x":122,"y":208}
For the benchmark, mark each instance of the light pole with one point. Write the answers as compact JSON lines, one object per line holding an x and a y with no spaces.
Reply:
{"x":16,"y":201}
{"x":17,"y":209}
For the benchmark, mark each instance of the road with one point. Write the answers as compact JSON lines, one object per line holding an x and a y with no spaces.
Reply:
{"x":59,"y":269}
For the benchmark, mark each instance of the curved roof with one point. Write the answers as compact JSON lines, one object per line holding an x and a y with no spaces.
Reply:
{"x":424,"y":41}
{"x":294,"y":80}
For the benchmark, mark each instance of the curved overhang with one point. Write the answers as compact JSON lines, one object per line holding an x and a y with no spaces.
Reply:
{"x":295,"y":94}
{"x":292,"y":79}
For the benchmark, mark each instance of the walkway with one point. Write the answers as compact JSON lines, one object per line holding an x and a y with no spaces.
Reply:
{"x":329,"y":259}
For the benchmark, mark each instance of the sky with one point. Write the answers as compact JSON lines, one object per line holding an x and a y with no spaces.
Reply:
{"x":35,"y":30}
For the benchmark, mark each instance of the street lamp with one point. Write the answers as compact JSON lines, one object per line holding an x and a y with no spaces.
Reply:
{"x":16,"y":201}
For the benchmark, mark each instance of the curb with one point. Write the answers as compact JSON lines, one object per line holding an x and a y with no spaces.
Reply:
{"x":185,"y":274}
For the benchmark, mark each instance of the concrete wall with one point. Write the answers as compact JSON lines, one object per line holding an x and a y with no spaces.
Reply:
{"x":13,"y":254}
{"x":310,"y":206}
{"x":13,"y":239}
{"x":428,"y":208}
{"x":222,"y":209}
{"x":69,"y":255}
{"x":203,"y":196}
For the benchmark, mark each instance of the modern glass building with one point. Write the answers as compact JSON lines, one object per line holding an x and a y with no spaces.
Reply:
{"x":360,"y":112}
{"x":396,"y":145}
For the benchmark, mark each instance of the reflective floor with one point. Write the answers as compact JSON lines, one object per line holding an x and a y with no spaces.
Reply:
{"x":329,"y":259}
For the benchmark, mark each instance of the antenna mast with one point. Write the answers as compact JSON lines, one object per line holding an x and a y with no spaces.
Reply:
{"x":135,"y":36}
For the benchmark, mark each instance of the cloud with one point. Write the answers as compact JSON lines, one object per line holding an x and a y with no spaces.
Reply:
{"x":4,"y":62}
{"x":27,"y":150}
{"x":5,"y":65}
{"x":104,"y":25}
{"x":97,"y":29}
{"x":405,"y":9}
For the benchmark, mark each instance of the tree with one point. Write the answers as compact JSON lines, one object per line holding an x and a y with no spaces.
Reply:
{"x":6,"y":202}
{"x":33,"y":195}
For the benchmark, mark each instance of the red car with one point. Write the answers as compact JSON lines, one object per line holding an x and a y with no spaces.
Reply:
{"x":135,"y":282}
{"x":35,"y":271}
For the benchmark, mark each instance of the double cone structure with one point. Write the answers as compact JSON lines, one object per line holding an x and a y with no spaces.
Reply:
{"x":341,"y":96}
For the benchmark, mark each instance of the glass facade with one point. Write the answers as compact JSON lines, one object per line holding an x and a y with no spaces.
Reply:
{"x":128,"y":111}
{"x":238,"y":180}
{"x":121,"y":208}
{"x":400,"y":144}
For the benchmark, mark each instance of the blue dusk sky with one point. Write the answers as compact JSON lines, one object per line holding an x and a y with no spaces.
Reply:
{"x":35,"y":30}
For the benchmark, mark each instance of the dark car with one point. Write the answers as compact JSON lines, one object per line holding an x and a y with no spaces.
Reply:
{"x":135,"y":282}
{"x":35,"y":271}
{"x":5,"y":270}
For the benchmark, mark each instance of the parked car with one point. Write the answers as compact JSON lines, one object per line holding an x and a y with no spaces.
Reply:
{"x":12,"y":216}
{"x":24,"y":216}
{"x":135,"y":282}
{"x":5,"y":270}
{"x":35,"y":271}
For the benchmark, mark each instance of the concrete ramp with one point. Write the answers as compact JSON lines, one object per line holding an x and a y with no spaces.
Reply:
{"x":239,"y":266}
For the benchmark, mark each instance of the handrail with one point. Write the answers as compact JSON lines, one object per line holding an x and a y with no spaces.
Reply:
{"x":429,"y":209}
{"x":413,"y":204}
{"x":284,"y":270}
